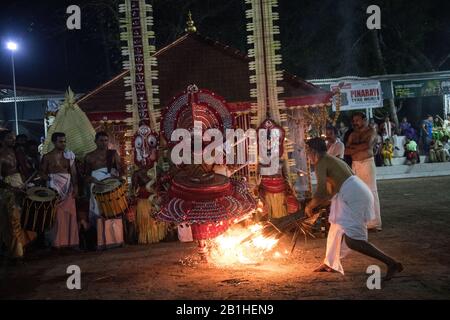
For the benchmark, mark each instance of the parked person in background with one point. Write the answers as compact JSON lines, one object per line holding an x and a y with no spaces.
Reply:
{"x":446,"y":125}
{"x":20,"y":150}
{"x":41,"y":147}
{"x":374,"y":125}
{"x":347,"y":157}
{"x":21,"y":141}
{"x":32,"y":155}
{"x":377,"y":151}
{"x":445,"y":149}
{"x":438,"y":128}
{"x":437,"y":122}
{"x":342,"y":130}
{"x":378,"y":144}
{"x":426,"y":133}
{"x":387,"y":152}
{"x":412,"y":156}
{"x":387,"y":129}
{"x":407,"y":130}
{"x":436,"y":151}
{"x":335,"y":147}
{"x":405,"y":126}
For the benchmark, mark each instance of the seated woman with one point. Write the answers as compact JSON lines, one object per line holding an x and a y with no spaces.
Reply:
{"x":387,"y":152}
{"x":436,"y":151}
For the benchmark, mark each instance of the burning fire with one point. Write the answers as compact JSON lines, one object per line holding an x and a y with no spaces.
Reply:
{"x":227,"y":249}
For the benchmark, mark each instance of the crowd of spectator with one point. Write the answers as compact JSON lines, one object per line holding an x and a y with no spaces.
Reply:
{"x":430,"y":139}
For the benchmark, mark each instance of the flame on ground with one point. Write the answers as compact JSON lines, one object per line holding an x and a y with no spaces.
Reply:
{"x":227,"y":249}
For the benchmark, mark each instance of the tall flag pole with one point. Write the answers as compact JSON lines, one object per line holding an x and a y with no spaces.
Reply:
{"x":143,"y":139}
{"x":137,"y":22}
{"x":265,"y":76}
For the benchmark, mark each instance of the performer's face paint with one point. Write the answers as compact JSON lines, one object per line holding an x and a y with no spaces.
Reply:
{"x":145,"y":147}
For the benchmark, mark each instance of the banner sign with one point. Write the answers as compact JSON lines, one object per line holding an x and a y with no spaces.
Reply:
{"x":421,"y":88}
{"x":357,"y":95}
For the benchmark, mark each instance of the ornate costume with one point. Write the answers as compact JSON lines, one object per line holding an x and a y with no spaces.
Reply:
{"x":11,"y":233}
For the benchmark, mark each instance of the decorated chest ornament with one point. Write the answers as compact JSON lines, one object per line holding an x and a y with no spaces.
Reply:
{"x":145,"y":143}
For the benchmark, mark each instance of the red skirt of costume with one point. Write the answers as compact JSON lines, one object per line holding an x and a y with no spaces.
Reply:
{"x":210,"y":206}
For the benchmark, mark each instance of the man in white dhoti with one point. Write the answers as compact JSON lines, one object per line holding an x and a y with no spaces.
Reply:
{"x":360,"y":147}
{"x":387,"y":129}
{"x":100,"y":164}
{"x":352,"y":207}
{"x":335,"y":147}
{"x":58,"y":168}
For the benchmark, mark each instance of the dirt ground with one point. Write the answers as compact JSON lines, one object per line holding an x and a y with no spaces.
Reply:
{"x":416,"y":218}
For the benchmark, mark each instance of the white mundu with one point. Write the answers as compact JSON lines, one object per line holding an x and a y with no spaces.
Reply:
{"x":351,"y":209}
{"x":366,"y":171}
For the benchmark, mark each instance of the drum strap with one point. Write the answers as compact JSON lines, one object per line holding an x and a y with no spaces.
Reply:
{"x":110,"y":160}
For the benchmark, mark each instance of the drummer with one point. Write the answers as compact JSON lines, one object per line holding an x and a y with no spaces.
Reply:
{"x":58,"y":168}
{"x":11,"y":185}
{"x":100,"y":164}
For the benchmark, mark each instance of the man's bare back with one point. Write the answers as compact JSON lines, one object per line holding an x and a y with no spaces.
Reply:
{"x":360,"y":144}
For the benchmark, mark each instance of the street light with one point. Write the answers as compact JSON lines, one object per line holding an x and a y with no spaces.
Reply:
{"x":12,"y":46}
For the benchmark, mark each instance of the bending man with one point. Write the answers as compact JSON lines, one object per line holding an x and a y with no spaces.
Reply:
{"x":352,"y":207}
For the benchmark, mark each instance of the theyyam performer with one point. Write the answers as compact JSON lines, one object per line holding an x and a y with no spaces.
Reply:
{"x":145,"y":187}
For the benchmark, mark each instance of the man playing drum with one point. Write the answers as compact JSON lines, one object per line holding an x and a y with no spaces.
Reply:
{"x":100,"y":164}
{"x":11,"y":185}
{"x":58,"y":168}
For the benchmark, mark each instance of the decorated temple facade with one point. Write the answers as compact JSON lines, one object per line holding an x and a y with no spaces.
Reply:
{"x":219,"y":68}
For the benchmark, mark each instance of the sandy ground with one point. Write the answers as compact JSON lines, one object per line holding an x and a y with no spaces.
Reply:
{"x":416,"y":219}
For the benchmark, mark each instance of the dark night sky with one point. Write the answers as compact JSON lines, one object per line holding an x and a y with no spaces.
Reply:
{"x":319,"y":38}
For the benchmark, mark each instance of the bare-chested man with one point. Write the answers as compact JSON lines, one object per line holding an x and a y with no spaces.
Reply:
{"x":11,"y":186}
{"x":352,"y":206}
{"x":100,"y":164}
{"x":360,"y":147}
{"x":58,"y":168}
